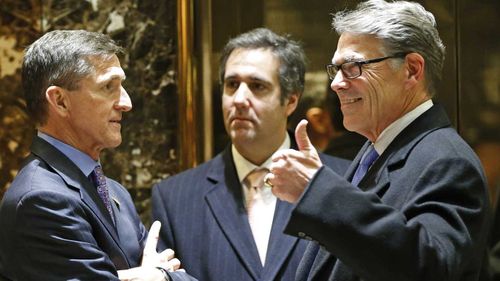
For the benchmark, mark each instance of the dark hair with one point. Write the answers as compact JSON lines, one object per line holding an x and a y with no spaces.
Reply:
{"x":60,"y":58}
{"x":403,"y":26}
{"x":289,"y":53}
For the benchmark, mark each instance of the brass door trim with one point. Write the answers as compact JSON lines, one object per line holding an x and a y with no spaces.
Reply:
{"x":186,"y":87}
{"x":194,"y":82}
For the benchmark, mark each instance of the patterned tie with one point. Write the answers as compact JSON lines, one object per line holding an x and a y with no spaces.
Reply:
{"x":100,"y":181}
{"x":367,"y":160}
{"x":255,"y":201}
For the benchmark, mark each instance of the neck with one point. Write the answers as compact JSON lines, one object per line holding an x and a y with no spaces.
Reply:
{"x":64,"y":134}
{"x":257,"y":153}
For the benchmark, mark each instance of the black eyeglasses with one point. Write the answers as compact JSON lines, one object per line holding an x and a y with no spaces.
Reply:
{"x":352,"y":69}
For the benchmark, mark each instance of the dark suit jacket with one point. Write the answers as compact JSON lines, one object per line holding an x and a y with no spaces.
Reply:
{"x":204,"y":220}
{"x":54,"y":226}
{"x":420,"y":213}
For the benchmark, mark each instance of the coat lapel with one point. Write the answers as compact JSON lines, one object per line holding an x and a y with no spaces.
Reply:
{"x":225,"y":200}
{"x":377,"y":178}
{"x":323,"y":261}
{"x":74,"y":178}
{"x":280,"y":245}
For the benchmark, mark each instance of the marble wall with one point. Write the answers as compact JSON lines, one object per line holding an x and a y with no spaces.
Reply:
{"x":147,"y":29}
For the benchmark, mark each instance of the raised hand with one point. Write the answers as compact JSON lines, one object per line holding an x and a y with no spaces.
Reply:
{"x":152,"y":261}
{"x":291,"y":170}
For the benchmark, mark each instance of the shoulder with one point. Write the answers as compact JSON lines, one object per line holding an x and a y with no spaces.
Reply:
{"x":37,"y":191}
{"x":444,"y":143}
{"x":192,"y":178}
{"x":35,"y":179}
{"x":438,"y":155}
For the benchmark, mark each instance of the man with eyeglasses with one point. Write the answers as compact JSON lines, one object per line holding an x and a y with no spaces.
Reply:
{"x":413,"y":205}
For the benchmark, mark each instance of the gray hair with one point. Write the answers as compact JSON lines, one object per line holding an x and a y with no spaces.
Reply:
{"x":403,"y":27}
{"x":60,"y":58}
{"x":289,"y":53}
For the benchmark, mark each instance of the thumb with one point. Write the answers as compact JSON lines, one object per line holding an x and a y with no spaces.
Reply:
{"x":302,"y":138}
{"x":149,"y":251}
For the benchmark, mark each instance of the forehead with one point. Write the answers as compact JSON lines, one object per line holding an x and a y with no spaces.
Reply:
{"x":252,"y":62}
{"x":357,"y":47}
{"x":107,"y":68}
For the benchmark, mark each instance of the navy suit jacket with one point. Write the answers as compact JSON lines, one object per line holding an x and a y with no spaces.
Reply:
{"x":205,"y":222}
{"x":54,"y":226}
{"x":420,"y":213}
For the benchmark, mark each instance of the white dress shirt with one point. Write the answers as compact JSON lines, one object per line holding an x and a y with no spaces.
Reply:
{"x":393,"y":130}
{"x":263,"y":209}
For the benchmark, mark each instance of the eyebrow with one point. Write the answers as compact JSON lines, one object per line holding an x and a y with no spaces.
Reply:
{"x":113,"y":74}
{"x":349,"y":58}
{"x":253,"y":78}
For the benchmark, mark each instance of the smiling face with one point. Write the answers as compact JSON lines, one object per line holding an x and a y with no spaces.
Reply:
{"x":95,"y":108}
{"x":254,"y":117}
{"x":374,"y":100}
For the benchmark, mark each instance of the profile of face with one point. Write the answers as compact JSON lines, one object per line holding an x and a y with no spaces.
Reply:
{"x":378,"y":97}
{"x":252,"y":110}
{"x":95,"y":108}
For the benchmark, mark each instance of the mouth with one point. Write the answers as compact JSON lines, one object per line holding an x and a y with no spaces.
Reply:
{"x":239,"y":119}
{"x":115,"y":122}
{"x":239,"y":123}
{"x":350,"y":101}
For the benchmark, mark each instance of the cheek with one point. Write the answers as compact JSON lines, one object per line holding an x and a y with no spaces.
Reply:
{"x":376,"y":95}
{"x":225,"y":106}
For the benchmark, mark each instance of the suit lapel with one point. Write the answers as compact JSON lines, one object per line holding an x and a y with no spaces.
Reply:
{"x":74,"y":178}
{"x":280,"y":245}
{"x":376,"y":179}
{"x":225,"y":200}
{"x":321,"y":264}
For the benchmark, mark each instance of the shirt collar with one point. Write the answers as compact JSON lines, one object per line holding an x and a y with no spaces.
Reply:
{"x":243,"y":166}
{"x":393,"y":130}
{"x":84,"y":162}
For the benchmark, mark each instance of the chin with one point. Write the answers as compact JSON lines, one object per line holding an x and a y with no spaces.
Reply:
{"x":115,"y":142}
{"x":242,"y":136}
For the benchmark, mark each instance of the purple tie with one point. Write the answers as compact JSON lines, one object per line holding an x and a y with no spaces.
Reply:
{"x":102,"y":189}
{"x":368,"y":158}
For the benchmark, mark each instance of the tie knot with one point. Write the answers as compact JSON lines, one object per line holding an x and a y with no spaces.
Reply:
{"x":256,"y":177}
{"x":370,"y":156}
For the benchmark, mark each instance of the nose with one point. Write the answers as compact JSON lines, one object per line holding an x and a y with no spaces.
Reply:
{"x":339,"y":82}
{"x":124,"y":103}
{"x":240,"y":97}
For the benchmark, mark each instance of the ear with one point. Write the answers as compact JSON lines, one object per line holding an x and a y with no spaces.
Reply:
{"x":316,"y":117}
{"x":58,"y":100}
{"x":291,"y":103}
{"x":415,"y":66}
